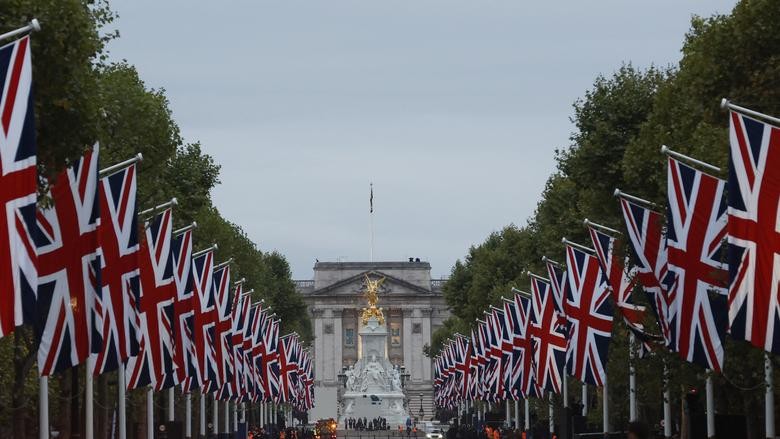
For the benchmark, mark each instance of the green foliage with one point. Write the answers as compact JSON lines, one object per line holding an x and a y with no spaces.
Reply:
{"x":81,"y":98}
{"x":620,"y":125}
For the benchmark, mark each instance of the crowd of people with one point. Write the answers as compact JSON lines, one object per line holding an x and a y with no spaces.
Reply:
{"x":540,"y":430}
{"x":363,"y":424}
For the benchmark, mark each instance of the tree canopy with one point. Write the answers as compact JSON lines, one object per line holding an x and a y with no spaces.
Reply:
{"x":620,"y":124}
{"x":81,"y":97}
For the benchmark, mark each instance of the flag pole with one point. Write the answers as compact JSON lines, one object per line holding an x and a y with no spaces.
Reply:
{"x":202,"y":414}
{"x":89,"y":405}
{"x":605,"y":406}
{"x":171,"y":401}
{"x":710,"y":406}
{"x":632,"y":412}
{"x":33,"y":25}
{"x":121,"y":165}
{"x":584,"y":399}
{"x":215,"y":416}
{"x":188,"y":415}
{"x":769,"y":397}
{"x":120,"y":384}
{"x":371,"y":222}
{"x":517,"y":415}
{"x":682,"y":157}
{"x":150,"y":413}
{"x":726,"y":104}
{"x":43,"y":407}
{"x":551,"y":413}
{"x":527,"y":420}
{"x":667,"y":404}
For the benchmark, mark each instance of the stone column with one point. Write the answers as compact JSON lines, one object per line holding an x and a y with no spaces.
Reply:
{"x":338,"y":341}
{"x":318,"y":357}
{"x":406,"y":339}
{"x":426,"y":338}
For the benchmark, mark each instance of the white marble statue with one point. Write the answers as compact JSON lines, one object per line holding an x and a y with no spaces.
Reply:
{"x":396,"y":381}
{"x":350,"y":378}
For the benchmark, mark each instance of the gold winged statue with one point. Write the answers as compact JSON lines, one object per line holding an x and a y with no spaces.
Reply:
{"x":372,"y":296}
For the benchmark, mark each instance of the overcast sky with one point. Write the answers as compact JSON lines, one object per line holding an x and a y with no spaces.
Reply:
{"x":452,"y":108}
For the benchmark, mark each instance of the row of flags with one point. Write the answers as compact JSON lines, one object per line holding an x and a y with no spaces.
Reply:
{"x":709,"y":265}
{"x":96,"y":292}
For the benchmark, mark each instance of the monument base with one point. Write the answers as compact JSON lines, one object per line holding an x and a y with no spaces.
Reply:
{"x":371,"y":405}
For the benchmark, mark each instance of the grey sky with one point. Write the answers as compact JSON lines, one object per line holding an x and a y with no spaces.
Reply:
{"x":452,"y":108}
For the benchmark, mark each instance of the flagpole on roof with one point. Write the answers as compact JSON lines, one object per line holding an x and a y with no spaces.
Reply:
{"x":33,"y":26}
{"x":371,"y":222}
{"x":726,"y":104}
{"x":121,"y":165}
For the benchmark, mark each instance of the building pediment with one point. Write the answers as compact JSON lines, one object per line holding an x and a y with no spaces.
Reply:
{"x":355,"y":285}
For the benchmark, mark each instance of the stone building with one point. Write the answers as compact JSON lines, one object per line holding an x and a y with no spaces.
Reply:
{"x":413,"y":307}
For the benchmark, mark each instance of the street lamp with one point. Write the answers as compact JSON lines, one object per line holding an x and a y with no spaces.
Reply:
{"x":422,"y":412}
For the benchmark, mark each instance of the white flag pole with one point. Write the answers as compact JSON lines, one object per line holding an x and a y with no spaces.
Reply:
{"x":710,"y":407}
{"x":508,"y":417}
{"x":171,"y":403}
{"x":565,"y":390}
{"x":769,"y":397}
{"x":226,"y":421}
{"x":632,"y":412}
{"x":120,"y":384}
{"x":517,"y":414}
{"x":43,"y":407}
{"x":150,"y":413}
{"x":33,"y":25}
{"x":89,"y":405}
{"x":551,"y":414}
{"x":584,"y":399}
{"x":262,"y":414}
{"x":667,"y":404}
{"x":527,"y":420}
{"x":215,"y":416}
{"x":188,"y":415}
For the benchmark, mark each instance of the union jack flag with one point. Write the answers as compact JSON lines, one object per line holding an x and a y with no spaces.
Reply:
{"x":308,"y":381}
{"x":521,"y":376}
{"x":270,"y":365}
{"x":18,"y":186}
{"x":492,"y":378}
{"x":222,"y":328}
{"x":115,"y":338}
{"x":68,"y":267}
{"x":259,"y":356}
{"x":463,"y":366}
{"x":239,"y":316}
{"x":185,"y":359}
{"x":754,"y":232}
{"x":645,"y":229}
{"x":695,"y":238}
{"x":621,"y":284}
{"x":590,"y":316}
{"x":288,"y":364}
{"x":204,"y":318}
{"x":475,"y":383}
{"x":559,"y":285}
{"x":549,"y":340}
{"x":156,"y":306}
{"x":250,"y":378}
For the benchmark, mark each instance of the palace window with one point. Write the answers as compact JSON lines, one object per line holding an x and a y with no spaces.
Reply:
{"x":349,"y":337}
{"x":395,"y":334}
